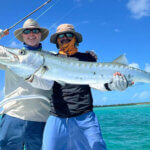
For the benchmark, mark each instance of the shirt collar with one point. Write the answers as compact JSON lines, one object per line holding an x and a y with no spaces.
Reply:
{"x":39,"y":48}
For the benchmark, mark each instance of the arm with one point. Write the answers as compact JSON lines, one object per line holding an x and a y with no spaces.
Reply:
{"x":39,"y":83}
{"x":118,"y":83}
{"x":3,"y":33}
{"x":100,"y":87}
{"x":93,"y":55}
{"x":2,"y":67}
{"x":3,"y":54}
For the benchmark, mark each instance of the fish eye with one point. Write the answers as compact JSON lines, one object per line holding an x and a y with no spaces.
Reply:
{"x":22,"y":52}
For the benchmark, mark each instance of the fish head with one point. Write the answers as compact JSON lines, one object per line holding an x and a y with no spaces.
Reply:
{"x":21,"y":61}
{"x":8,"y":56}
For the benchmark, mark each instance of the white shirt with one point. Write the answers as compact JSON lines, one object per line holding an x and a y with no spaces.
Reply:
{"x":24,"y":101}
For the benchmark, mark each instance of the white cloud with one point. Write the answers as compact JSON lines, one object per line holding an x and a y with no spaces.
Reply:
{"x":15,"y":44}
{"x":147,"y":67}
{"x":144,"y":95}
{"x":116,"y":30}
{"x":134,"y":96}
{"x":139,"y":8}
{"x":141,"y":96}
{"x":104,"y":99}
{"x":134,"y":65}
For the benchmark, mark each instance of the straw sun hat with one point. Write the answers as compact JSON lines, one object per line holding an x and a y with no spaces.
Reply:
{"x":65,"y":28}
{"x":30,"y":23}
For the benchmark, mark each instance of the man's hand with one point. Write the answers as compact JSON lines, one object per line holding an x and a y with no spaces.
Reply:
{"x":3,"y":33}
{"x":92,"y":53}
{"x":119,"y":82}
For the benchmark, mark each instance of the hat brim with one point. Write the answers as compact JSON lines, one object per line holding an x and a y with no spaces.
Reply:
{"x":53,"y":38}
{"x":18,"y":33}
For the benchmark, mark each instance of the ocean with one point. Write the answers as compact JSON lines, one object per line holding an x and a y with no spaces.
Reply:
{"x":125,"y":127}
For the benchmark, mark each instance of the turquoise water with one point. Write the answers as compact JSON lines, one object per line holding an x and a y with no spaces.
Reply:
{"x":125,"y":127}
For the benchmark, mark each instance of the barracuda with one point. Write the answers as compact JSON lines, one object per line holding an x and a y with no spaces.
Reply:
{"x":50,"y":67}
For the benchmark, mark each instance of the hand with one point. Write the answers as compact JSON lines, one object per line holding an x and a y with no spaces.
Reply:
{"x":92,"y":53}
{"x":1,"y":33}
{"x":32,"y":62}
{"x":119,"y":82}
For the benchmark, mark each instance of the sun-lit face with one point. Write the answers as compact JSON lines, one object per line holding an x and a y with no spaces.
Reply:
{"x":31,"y":38}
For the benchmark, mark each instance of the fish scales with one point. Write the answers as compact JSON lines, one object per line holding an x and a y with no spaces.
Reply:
{"x":67,"y":70}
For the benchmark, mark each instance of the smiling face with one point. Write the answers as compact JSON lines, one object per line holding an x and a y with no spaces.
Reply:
{"x":32,"y":38}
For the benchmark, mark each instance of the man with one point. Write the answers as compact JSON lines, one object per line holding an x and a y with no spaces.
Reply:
{"x":72,"y":124}
{"x":23,"y":122}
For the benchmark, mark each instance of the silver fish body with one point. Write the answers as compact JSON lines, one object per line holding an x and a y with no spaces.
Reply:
{"x":50,"y":67}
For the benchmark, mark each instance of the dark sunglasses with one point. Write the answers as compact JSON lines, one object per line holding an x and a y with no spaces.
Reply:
{"x":28,"y":31}
{"x":65,"y":34}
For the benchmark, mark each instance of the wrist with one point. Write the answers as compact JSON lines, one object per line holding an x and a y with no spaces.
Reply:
{"x":30,"y":78}
{"x":106,"y":85}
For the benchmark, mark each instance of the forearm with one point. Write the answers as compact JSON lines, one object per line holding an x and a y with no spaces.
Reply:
{"x":101,"y":87}
{"x":3,"y":55}
{"x":2,"y":67}
{"x":40,"y":83}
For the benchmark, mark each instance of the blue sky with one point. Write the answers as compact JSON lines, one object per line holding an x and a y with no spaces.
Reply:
{"x":109,"y":27}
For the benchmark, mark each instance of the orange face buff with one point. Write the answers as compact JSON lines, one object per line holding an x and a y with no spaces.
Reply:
{"x":67,"y":48}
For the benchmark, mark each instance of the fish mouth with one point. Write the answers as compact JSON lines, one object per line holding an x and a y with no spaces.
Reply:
{"x":15,"y":57}
{"x":8,"y":57}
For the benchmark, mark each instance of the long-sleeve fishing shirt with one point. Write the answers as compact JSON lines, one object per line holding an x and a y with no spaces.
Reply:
{"x":24,"y":101}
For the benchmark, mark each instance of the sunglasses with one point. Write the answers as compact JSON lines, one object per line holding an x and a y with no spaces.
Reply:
{"x":28,"y":31}
{"x":65,"y":34}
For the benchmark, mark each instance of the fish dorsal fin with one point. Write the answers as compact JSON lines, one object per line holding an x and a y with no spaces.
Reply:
{"x":121,"y":60}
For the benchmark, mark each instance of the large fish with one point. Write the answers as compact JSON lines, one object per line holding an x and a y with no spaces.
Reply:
{"x":50,"y":67}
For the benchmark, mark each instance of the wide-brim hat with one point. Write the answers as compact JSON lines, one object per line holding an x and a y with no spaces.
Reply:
{"x":65,"y":28}
{"x":30,"y":23}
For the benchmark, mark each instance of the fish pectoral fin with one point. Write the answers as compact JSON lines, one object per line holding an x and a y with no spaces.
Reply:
{"x":121,"y":60}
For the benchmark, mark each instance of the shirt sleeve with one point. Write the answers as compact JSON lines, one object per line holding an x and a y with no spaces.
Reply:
{"x":40,"y":83}
{"x":91,"y":58}
{"x":3,"y":54}
{"x":2,"y":67}
{"x":100,"y":87}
